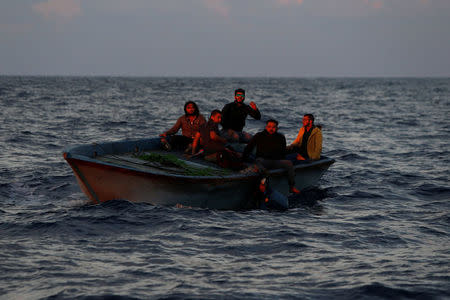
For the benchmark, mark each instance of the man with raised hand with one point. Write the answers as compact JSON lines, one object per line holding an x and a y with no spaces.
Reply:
{"x":234,"y":115}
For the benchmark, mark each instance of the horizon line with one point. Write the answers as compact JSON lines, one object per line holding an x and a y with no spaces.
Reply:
{"x":228,"y":76}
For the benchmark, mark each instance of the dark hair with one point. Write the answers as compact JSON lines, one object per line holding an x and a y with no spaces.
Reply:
{"x":215,"y":112}
{"x":239,"y":91}
{"x":310,"y":116}
{"x":196,"y":110}
{"x":272,"y":121}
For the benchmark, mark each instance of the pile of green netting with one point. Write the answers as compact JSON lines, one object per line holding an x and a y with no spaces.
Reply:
{"x":171,"y":160}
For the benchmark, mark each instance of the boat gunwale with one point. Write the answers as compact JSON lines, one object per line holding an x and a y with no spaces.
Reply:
{"x":70,"y":153}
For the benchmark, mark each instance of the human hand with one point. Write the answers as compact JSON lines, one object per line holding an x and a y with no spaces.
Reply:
{"x":299,"y":157}
{"x":253,"y":105}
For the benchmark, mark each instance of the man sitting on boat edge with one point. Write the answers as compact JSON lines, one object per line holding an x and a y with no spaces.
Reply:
{"x":189,"y":123}
{"x":308,"y":144}
{"x":208,"y":135}
{"x":271,"y":151}
{"x":215,"y":147}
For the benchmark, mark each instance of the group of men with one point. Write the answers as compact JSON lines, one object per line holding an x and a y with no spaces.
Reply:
{"x":271,"y":149}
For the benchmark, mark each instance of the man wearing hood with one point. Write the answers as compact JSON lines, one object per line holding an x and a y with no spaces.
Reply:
{"x":308,"y":144}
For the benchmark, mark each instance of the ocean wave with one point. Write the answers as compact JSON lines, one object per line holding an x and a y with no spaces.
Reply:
{"x":350,"y":157}
{"x":378,"y":290}
{"x":375,"y":227}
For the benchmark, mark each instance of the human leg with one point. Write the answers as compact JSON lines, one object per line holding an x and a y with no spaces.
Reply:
{"x":294,"y":157}
{"x":244,"y":137}
{"x":231,"y":135}
{"x":179,"y":142}
{"x":281,"y":164}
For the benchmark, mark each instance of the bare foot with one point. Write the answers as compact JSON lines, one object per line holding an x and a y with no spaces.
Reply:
{"x":294,"y":190}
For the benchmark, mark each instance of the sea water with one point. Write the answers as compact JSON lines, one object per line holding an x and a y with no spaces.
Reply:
{"x":376,"y":226}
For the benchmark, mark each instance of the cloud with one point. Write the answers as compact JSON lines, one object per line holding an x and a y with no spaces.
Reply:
{"x":59,"y":8}
{"x":377,"y":4}
{"x":287,"y":2}
{"x":218,"y":6}
{"x":15,"y":28}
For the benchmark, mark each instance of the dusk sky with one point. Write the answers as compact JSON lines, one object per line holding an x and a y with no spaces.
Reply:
{"x":292,"y":38}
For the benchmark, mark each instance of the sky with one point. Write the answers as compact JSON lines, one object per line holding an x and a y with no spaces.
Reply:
{"x":239,"y":38}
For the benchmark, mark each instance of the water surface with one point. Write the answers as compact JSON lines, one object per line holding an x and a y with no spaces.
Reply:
{"x":375,"y":227}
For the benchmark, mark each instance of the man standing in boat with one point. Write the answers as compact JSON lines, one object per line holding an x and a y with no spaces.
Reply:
{"x":234,"y":115}
{"x":308,"y":144}
{"x":189,"y":123}
{"x":271,"y":151}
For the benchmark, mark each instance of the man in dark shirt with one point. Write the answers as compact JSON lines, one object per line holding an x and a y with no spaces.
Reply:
{"x":271,"y":150}
{"x":208,"y":135}
{"x":234,"y":115}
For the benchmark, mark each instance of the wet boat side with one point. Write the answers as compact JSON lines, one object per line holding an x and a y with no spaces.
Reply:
{"x":102,"y":180}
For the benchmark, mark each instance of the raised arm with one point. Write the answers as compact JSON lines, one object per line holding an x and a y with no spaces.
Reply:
{"x":299,"y":137}
{"x":253,"y":111}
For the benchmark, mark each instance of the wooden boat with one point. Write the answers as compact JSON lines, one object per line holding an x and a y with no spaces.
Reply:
{"x":115,"y":170}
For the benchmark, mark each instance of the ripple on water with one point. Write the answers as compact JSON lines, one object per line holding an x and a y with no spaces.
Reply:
{"x":378,"y":290}
{"x":433,"y":191}
{"x":376,"y":227}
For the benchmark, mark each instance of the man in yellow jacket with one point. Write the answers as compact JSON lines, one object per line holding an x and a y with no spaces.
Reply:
{"x":308,"y":144}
